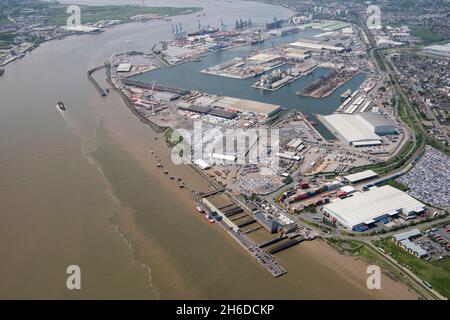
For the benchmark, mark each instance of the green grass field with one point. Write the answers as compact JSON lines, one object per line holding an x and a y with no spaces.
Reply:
{"x":345,"y":245}
{"x":55,"y":14}
{"x":92,"y":14}
{"x":426,"y":34}
{"x":396,"y":185}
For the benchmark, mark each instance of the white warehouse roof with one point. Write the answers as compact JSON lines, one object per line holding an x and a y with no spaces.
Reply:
{"x":266,"y":109}
{"x":264,"y":57}
{"x":365,"y":207}
{"x":124,"y":67}
{"x":355,"y":177}
{"x":375,"y":119}
{"x":202,"y":164}
{"x":316,"y":46}
{"x":379,"y":124}
{"x":225,"y":157}
{"x":407,"y":235}
{"x":351,"y":129}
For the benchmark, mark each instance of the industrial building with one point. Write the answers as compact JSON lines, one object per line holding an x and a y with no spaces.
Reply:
{"x":124,"y":67}
{"x":217,"y":112}
{"x":249,"y":106}
{"x":378,"y":123}
{"x":351,"y":129}
{"x":222,"y":113}
{"x":360,"y":176}
{"x":268,"y":223}
{"x":298,"y":54}
{"x":288,"y":155}
{"x":225,"y":157}
{"x":202,"y":164}
{"x":404,"y":241}
{"x":264,"y":58}
{"x":360,"y":130}
{"x":378,"y":204}
{"x":316,"y":45}
{"x":194,"y":108}
{"x":222,"y":106}
{"x":227,"y":107}
{"x":156,"y":87}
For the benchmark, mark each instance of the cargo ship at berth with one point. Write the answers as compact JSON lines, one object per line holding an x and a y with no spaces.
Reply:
{"x":368,"y":85}
{"x":257,"y":41}
{"x":203,"y":31}
{"x":346,"y":94}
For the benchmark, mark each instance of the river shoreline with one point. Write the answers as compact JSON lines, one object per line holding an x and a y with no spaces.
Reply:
{"x":81,"y":33}
{"x":58,"y":210}
{"x":353,"y":270}
{"x":396,"y":289}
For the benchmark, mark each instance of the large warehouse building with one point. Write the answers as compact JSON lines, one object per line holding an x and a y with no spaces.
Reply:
{"x":361,"y":176}
{"x":379,"y":124}
{"x":365,"y":208}
{"x":360,"y":130}
{"x":351,"y":130}
{"x":316,"y":45}
{"x":247,"y":106}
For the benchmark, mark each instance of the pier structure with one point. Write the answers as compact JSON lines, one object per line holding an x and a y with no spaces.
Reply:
{"x":94,"y":82}
{"x":234,"y":217}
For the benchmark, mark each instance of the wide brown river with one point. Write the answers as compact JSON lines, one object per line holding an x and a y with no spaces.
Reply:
{"x":80,"y":188}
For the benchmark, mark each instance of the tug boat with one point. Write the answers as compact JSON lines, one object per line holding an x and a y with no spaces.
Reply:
{"x":200,"y":209}
{"x":61,"y":106}
{"x":209,"y":218}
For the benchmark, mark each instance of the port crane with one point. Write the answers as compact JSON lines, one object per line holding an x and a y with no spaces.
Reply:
{"x":223,"y":26}
{"x":143,"y":8}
